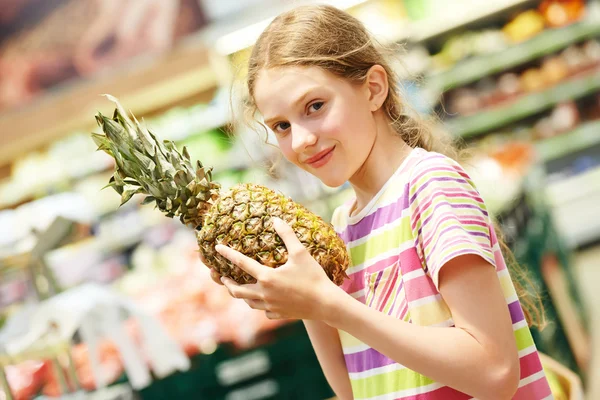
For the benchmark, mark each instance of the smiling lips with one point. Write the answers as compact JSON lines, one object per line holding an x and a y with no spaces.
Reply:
{"x":321,"y":158}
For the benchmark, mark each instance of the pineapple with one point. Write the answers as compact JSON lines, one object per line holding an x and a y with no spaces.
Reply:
{"x":239,"y":217}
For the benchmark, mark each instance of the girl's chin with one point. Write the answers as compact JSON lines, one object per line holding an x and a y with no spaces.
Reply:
{"x":333,"y":181}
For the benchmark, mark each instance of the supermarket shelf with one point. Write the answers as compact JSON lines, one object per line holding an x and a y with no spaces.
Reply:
{"x":485,"y":121}
{"x":582,"y":137}
{"x":548,"y":42}
{"x":452,"y":19}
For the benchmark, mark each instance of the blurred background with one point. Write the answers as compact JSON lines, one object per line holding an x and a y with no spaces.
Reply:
{"x":91,"y":294}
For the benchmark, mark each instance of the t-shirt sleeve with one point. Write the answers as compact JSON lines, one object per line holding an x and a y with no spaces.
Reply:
{"x":447,"y":214}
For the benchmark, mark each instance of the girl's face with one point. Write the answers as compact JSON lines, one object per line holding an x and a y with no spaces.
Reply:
{"x":324,"y":124}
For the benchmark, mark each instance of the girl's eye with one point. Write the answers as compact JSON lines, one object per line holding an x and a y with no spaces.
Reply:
{"x":316,"y":106}
{"x":281,"y":127}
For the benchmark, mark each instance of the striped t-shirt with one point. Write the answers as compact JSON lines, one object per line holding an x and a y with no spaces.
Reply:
{"x":426,"y":214}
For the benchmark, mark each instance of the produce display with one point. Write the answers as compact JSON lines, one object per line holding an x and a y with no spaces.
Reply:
{"x":524,"y":26}
{"x":240,"y":217}
{"x":491,"y":92}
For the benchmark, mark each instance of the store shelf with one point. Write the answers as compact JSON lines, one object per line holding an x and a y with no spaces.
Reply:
{"x":584,"y":136}
{"x":471,"y":126}
{"x":548,"y":42}
{"x":457,"y":16}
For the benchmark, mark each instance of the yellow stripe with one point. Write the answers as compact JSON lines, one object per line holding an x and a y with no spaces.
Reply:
{"x":431,"y":313}
{"x":381,"y":243}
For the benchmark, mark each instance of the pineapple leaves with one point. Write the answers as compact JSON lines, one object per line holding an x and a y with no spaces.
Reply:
{"x":148,"y":200}
{"x":144,"y":160}
{"x":157,"y":168}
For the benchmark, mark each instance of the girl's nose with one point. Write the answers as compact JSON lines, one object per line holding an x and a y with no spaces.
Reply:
{"x":302,"y":138}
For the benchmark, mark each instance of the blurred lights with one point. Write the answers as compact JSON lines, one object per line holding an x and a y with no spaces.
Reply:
{"x":247,"y":36}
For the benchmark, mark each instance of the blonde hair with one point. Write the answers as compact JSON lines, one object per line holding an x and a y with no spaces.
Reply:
{"x":327,"y":37}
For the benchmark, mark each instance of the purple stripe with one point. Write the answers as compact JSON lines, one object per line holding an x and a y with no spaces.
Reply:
{"x":436,"y":179}
{"x":441,"y":241}
{"x":516,"y":313}
{"x":433,"y":214}
{"x":383,"y":215}
{"x":375,"y":284}
{"x":477,"y":251}
{"x":366,"y":360}
{"x":459,"y":222}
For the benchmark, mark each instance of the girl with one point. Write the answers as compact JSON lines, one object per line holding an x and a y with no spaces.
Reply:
{"x":429,"y":310}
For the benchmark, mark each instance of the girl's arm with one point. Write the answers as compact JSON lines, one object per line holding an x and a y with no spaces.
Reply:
{"x":326,"y":342}
{"x":478,"y":356}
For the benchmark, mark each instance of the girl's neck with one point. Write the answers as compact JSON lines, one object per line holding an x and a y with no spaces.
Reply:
{"x":387,"y":154}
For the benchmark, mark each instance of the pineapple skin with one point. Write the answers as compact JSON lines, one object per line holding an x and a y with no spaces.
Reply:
{"x":241,"y":218}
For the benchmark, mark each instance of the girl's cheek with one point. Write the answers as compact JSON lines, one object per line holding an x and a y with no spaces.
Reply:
{"x":285,"y":146}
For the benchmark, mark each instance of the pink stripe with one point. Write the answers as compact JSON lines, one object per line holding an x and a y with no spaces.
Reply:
{"x":417,"y":217}
{"x":389,"y":284}
{"x":433,"y":255}
{"x":463,"y":182}
{"x":376,"y":289}
{"x":530,"y":364}
{"x":444,"y":192}
{"x":461,"y":221}
{"x":443,"y":393}
{"x":429,"y":164}
{"x":538,"y":389}
{"x":412,"y":261}
{"x":439,"y":235}
{"x":357,"y":279}
{"x":420,"y":287}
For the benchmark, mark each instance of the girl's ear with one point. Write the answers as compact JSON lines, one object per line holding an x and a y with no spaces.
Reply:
{"x":377,"y":86}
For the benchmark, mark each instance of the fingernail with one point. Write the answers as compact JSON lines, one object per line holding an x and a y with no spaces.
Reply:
{"x":277,"y":221}
{"x":223,"y":279}
{"x":219,"y":248}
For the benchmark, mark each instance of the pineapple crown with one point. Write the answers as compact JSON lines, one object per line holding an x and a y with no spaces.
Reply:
{"x":146,"y":165}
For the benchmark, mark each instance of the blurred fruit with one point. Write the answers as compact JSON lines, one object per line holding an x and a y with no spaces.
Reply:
{"x":524,"y":26}
{"x":554,"y":70}
{"x":558,"y":13}
{"x":533,"y":80}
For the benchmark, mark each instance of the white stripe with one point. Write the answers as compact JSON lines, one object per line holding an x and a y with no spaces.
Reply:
{"x":356,"y":349}
{"x":386,"y":227}
{"x":376,"y":371}
{"x":358,"y":293}
{"x":512,"y":299}
{"x":407,"y":392}
{"x":520,"y":324}
{"x":532,"y":378}
{"x":551,"y":397}
{"x":425,"y":300}
{"x":502,"y":273}
{"x":413,"y":274}
{"x":527,"y":351}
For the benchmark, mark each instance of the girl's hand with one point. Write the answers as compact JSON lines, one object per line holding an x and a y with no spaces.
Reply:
{"x":214,"y":275}
{"x":298,"y":289}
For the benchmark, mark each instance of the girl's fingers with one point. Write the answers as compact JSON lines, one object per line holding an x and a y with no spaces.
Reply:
{"x":293,"y":245}
{"x":214,"y":275}
{"x":256,"y":304}
{"x":249,"y":291}
{"x":272,"y":315}
{"x":249,"y":265}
